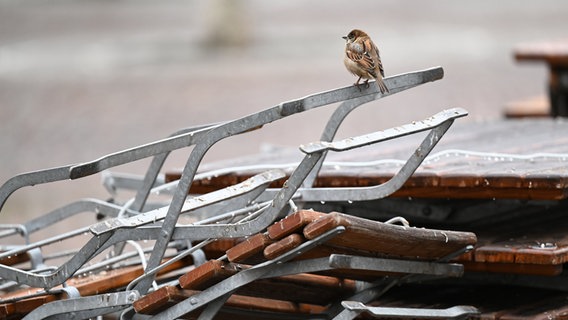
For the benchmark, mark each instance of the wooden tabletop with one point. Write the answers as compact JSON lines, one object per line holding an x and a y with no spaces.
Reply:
{"x":508,"y":159}
{"x":552,"y":52}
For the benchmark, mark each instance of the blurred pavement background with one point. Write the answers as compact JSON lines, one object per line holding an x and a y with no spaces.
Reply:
{"x":81,"y":79}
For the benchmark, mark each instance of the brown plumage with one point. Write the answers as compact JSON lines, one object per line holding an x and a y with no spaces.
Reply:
{"x":363,"y":60}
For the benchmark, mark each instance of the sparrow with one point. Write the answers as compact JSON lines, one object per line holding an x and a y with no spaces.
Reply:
{"x":363,"y":60}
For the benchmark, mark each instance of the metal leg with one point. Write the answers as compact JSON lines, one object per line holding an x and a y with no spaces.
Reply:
{"x":85,"y":307}
{"x":354,"y":308}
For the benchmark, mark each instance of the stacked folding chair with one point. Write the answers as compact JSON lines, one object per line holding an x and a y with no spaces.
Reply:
{"x":247,"y":250}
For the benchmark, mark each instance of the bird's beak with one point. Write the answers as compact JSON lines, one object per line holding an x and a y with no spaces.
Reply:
{"x":344,"y":37}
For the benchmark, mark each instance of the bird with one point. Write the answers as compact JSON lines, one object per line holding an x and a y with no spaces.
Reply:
{"x":363,"y":60}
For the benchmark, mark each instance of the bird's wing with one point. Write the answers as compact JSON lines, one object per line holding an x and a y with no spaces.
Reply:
{"x":377,"y":57}
{"x":367,"y":58}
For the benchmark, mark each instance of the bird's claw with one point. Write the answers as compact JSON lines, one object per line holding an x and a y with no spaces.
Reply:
{"x":358,"y":85}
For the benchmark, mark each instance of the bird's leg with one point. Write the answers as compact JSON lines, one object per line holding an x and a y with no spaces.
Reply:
{"x":367,"y":83}
{"x":357,"y":84}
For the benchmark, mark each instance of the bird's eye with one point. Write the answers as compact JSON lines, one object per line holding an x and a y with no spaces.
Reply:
{"x":351,"y":36}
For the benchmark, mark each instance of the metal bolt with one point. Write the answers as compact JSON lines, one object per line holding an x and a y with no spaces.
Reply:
{"x":132,"y":297}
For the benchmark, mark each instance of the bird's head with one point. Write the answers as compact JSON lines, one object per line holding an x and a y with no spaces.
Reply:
{"x":354,"y":34}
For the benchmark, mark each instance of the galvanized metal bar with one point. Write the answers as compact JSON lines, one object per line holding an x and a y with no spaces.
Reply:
{"x":213,"y":307}
{"x":151,"y":175}
{"x":388,"y":134}
{"x":155,"y":167}
{"x":389,"y":187}
{"x":395,"y":265}
{"x":113,"y":181}
{"x":31,"y":179}
{"x":15,"y":250}
{"x":82,"y":206}
{"x":369,"y":291}
{"x":253,"y":187}
{"x":341,"y":261}
{"x":62,"y":273}
{"x":457,"y":312}
{"x":330,"y":130}
{"x":137,"y":153}
{"x":75,"y":171}
{"x":85,"y":307}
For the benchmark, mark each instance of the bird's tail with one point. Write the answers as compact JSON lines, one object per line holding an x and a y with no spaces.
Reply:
{"x":382,"y":85}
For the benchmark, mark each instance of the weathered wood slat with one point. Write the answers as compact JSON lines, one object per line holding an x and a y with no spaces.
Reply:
{"x":390,"y":240}
{"x":292,"y":223}
{"x":160,"y":300}
{"x":15,"y":259}
{"x":301,"y":288}
{"x":19,"y":309}
{"x":283,"y":245}
{"x":512,"y":268}
{"x":208,"y":274}
{"x":165,"y":297}
{"x":534,"y":240}
{"x":251,"y":246}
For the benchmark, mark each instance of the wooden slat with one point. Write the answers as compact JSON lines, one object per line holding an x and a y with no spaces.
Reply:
{"x":392,"y":240}
{"x":512,"y":268}
{"x":538,"y":239}
{"x":292,"y":223}
{"x":19,"y":309}
{"x":219,"y":247}
{"x":301,"y":288}
{"x":251,"y":246}
{"x":14,"y":259}
{"x":160,"y":300}
{"x":167,"y":296}
{"x":208,"y":274}
{"x":518,"y":253}
{"x":283,"y":245}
